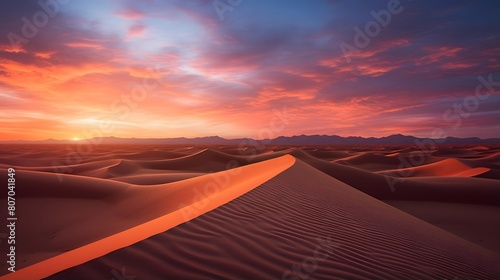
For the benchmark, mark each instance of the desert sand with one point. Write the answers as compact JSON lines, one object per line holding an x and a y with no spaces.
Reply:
{"x":277,"y":212}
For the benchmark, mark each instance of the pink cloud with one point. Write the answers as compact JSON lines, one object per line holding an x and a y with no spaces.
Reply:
{"x":439,"y":54}
{"x":136,"y":30}
{"x":130,"y":13}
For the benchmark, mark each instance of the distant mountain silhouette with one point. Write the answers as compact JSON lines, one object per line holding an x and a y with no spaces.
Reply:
{"x":392,"y":139}
{"x":397,"y":139}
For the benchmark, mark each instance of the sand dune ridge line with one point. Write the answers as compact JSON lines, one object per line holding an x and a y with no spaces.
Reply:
{"x":247,"y":178}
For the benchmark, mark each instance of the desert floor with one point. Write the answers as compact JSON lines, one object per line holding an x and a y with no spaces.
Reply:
{"x":267,"y":212}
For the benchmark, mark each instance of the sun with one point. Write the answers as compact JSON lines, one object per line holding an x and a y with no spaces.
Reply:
{"x":76,"y":138}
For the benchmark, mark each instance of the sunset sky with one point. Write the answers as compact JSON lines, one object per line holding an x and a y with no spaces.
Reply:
{"x":184,"y":68}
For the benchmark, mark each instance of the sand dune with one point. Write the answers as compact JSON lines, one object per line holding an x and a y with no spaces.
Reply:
{"x":472,"y":222}
{"x":446,"y":167}
{"x":207,"y":160}
{"x":155,"y":178}
{"x":492,"y":174}
{"x":143,"y":155}
{"x":449,"y":189}
{"x":91,"y":169}
{"x":366,"y":158}
{"x":457,"y":152}
{"x":119,"y":214}
{"x":490,"y":160}
{"x":302,"y":218}
{"x":260,"y":215}
{"x":329,"y":155}
{"x":480,"y":148}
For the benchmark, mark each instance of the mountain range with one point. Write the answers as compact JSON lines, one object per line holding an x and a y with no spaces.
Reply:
{"x":397,"y":139}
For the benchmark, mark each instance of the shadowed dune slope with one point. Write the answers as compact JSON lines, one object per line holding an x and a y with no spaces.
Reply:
{"x":492,"y":174}
{"x":300,"y":219}
{"x":329,"y":155}
{"x":207,"y":160}
{"x":444,"y":189}
{"x":476,"y":223}
{"x":367,"y":158}
{"x":490,"y":160}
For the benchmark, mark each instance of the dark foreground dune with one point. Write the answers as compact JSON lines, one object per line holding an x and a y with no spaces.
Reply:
{"x":174,"y":212}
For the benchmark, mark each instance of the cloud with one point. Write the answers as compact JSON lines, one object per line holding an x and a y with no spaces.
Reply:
{"x":131,"y":13}
{"x":136,"y":30}
{"x":230,"y":75}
